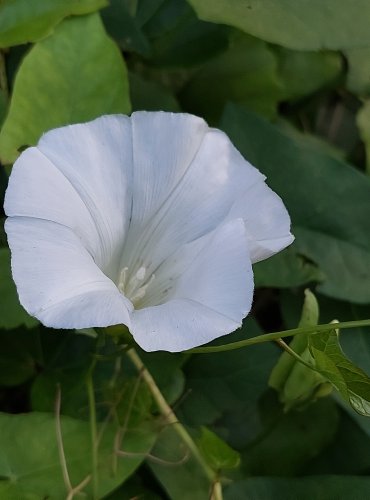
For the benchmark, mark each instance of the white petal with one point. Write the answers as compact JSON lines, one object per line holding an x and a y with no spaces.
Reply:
{"x":96,"y":159}
{"x":38,"y":189}
{"x":201,"y":200}
{"x":164,"y":145}
{"x":209,"y":300}
{"x":58,"y":280}
{"x":267,"y":221}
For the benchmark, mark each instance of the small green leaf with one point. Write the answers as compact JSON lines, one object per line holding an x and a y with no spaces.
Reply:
{"x":23,"y":21}
{"x":12,"y":313}
{"x":351,"y":382}
{"x":218,"y":454}
{"x":79,"y":47}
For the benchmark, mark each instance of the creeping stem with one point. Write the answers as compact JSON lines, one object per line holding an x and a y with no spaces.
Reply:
{"x":172,"y":420}
{"x":267,"y":337}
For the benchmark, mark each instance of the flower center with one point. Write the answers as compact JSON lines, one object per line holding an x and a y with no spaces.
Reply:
{"x":134,"y":287}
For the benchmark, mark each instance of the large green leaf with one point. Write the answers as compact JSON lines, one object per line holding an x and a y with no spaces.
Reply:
{"x":246,"y":73}
{"x":23,"y":21}
{"x":305,"y":488}
{"x":30,"y":465}
{"x":74,"y":75}
{"x":12,"y":313}
{"x":324,"y":196}
{"x":297,"y":24}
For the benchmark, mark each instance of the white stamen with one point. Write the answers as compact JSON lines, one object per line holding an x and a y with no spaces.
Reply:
{"x":132,"y":287}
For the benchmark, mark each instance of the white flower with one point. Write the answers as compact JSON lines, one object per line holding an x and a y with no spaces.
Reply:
{"x":151,"y":221}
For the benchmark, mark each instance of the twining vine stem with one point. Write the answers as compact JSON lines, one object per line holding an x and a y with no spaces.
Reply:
{"x":172,"y":420}
{"x":267,"y":337}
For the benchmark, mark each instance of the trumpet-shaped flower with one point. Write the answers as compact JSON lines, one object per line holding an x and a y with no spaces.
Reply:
{"x":151,"y":221}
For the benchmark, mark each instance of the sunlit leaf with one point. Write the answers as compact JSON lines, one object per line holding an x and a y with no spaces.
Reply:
{"x":79,"y":47}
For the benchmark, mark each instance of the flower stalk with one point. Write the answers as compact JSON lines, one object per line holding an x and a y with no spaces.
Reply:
{"x":171,"y":419}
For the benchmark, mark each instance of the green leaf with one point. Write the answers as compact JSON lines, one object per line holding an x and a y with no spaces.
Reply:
{"x":324,"y":195}
{"x":12,"y":313}
{"x":286,"y":269}
{"x":303,"y":73}
{"x":177,"y":37}
{"x":23,"y":21}
{"x":218,"y":454}
{"x":246,"y":73}
{"x":288,"y":441}
{"x":124,"y":28}
{"x":29,"y":460}
{"x":358,"y":77}
{"x":302,"y":25}
{"x":80,"y":47}
{"x":305,"y":488}
{"x":351,"y":382}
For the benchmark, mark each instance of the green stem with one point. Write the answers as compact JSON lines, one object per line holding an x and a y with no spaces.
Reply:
{"x":267,"y":337}
{"x":294,"y":354}
{"x":93,"y":431}
{"x":171,"y":418}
